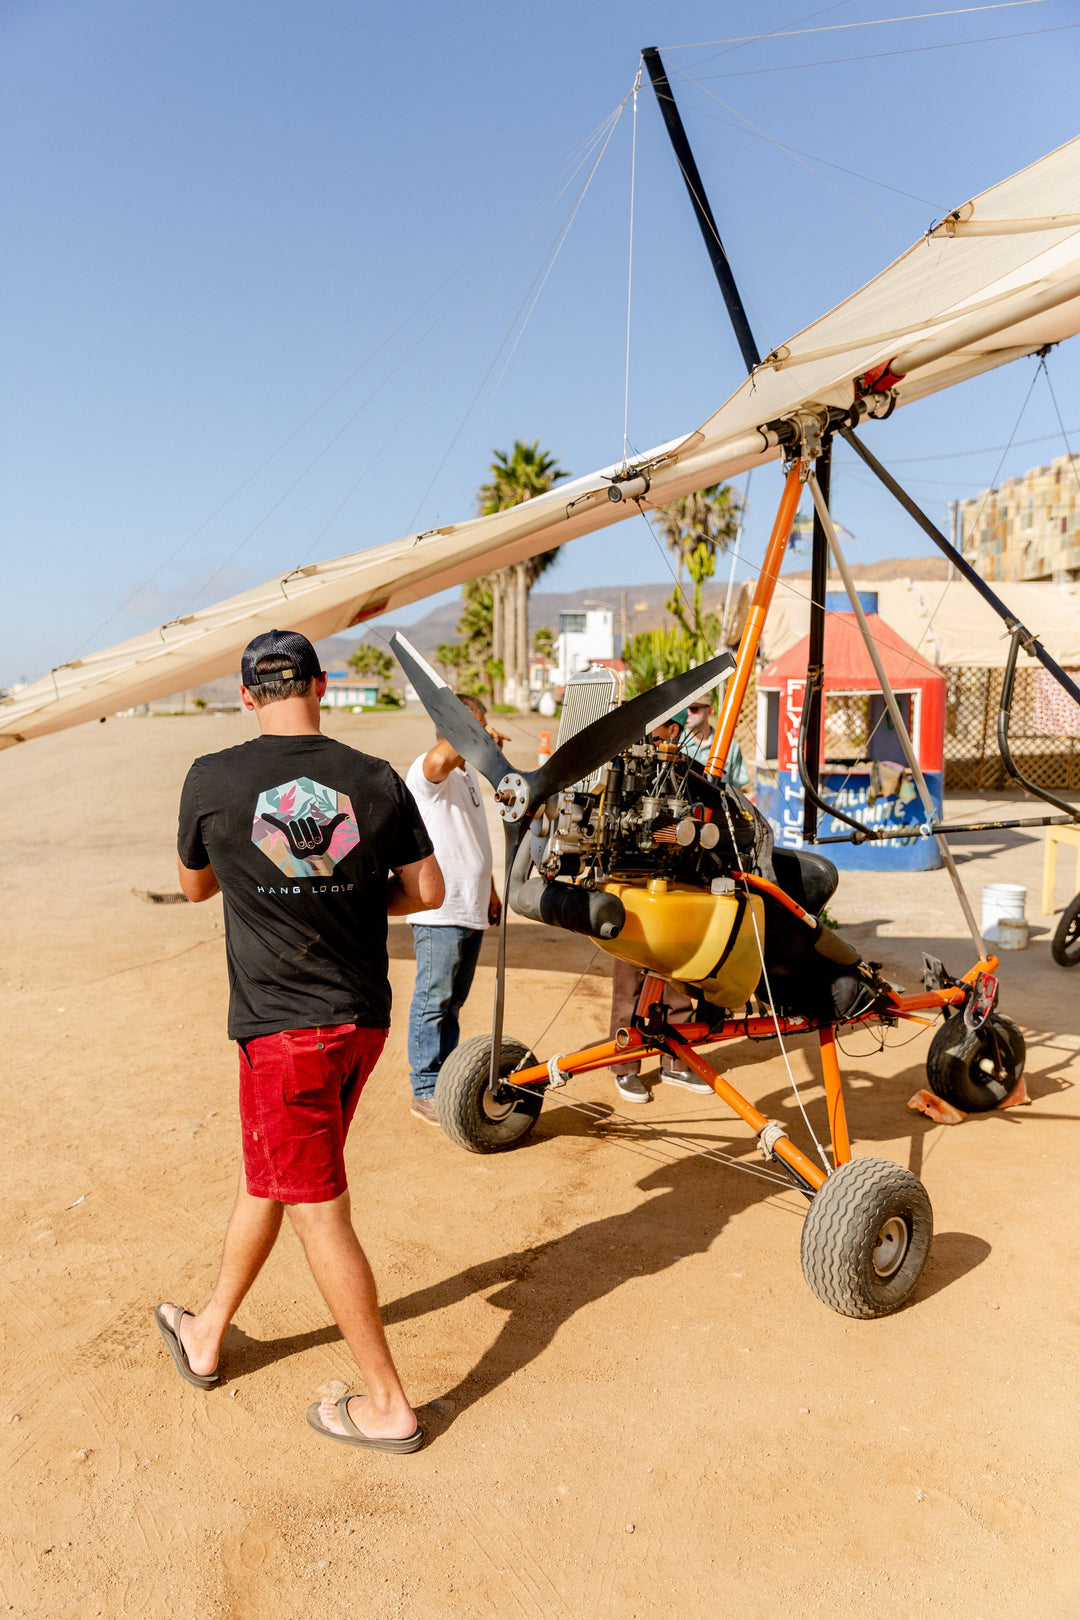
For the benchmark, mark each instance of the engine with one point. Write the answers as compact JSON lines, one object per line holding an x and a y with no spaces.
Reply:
{"x":642,"y":858}
{"x":650,"y":813}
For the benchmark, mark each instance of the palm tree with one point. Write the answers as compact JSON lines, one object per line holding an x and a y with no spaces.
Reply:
{"x":708,"y":517}
{"x":516,"y":477}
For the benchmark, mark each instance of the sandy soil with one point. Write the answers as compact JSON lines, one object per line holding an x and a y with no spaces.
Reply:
{"x":636,"y":1406}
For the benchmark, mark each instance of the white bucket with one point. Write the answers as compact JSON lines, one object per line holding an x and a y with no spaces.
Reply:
{"x":1012,"y":934}
{"x":1001,"y":900}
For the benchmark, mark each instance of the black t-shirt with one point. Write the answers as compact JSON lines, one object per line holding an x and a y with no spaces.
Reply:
{"x":302,"y":833}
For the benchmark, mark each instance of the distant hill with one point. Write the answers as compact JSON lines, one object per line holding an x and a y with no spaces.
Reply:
{"x":644,"y":606}
{"x":936,"y":567}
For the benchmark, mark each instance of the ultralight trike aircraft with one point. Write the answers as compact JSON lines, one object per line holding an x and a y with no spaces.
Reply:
{"x":670,"y":869}
{"x":629,"y":842}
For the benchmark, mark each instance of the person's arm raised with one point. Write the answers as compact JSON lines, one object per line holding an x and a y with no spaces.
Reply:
{"x":444,"y":758}
{"x":440,"y":761}
{"x":198,"y":883}
{"x":415,"y":887}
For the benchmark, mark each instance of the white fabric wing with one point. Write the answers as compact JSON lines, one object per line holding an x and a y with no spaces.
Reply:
{"x":998,"y":279}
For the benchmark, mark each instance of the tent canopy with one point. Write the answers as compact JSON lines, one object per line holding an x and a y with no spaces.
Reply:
{"x":998,"y":279}
{"x":944,"y":620}
{"x":847,"y":662}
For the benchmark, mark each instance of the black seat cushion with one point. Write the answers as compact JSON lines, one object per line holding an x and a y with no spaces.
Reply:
{"x":807,"y":877}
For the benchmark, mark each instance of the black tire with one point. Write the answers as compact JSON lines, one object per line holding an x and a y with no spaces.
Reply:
{"x":866,"y":1238}
{"x":1065,"y":945}
{"x":465,"y":1111}
{"x":976,"y":1069}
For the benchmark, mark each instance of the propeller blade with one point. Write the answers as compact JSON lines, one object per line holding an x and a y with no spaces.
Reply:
{"x":608,"y":736}
{"x":453,"y":720}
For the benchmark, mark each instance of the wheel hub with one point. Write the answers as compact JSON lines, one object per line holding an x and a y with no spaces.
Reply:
{"x":890,"y":1246}
{"x":497,"y":1106}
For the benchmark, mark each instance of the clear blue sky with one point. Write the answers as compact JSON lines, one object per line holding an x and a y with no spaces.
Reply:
{"x":215,"y":213}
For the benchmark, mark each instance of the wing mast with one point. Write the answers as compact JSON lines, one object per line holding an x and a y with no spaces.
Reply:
{"x":877,"y":381}
{"x":725,"y":276}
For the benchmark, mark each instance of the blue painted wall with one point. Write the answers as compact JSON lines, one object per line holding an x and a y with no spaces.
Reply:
{"x":779,"y":797}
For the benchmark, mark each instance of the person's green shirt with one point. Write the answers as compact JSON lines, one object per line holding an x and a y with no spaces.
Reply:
{"x":735,"y":771}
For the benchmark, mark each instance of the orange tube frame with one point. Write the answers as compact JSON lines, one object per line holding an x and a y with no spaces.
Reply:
{"x":634,"y":1041}
{"x":755,"y":620}
{"x":834,"y":1097}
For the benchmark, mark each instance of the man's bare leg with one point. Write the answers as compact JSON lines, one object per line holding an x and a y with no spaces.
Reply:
{"x":340,"y":1268}
{"x":250,"y":1235}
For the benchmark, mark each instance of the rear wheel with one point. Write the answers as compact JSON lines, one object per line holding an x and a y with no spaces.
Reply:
{"x":468,"y":1114}
{"x":1065,"y":945}
{"x":976,"y":1069}
{"x":866,"y":1238}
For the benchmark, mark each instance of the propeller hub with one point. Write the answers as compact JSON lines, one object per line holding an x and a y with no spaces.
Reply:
{"x":512,"y":796}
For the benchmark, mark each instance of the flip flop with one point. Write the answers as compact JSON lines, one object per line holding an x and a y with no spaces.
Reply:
{"x":170,"y":1332}
{"x":356,"y":1437}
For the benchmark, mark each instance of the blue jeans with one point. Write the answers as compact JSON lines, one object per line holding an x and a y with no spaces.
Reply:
{"x":445,"y":964}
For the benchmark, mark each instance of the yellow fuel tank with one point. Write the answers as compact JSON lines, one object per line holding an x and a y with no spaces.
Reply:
{"x":693,"y":936}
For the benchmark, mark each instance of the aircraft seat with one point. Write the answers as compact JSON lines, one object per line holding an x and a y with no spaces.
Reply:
{"x":806,"y":876}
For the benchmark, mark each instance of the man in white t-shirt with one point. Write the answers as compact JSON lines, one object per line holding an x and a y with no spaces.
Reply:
{"x":447,"y":941}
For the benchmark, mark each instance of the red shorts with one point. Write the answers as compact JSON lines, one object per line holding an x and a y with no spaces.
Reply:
{"x":298,"y":1093}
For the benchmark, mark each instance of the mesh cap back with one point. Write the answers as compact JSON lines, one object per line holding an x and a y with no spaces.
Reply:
{"x":288,"y":644}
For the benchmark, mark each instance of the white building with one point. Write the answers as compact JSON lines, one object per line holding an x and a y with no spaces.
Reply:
{"x":344,"y":690}
{"x":584,"y":637}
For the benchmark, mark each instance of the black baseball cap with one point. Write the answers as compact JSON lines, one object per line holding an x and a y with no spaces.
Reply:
{"x":279,"y":644}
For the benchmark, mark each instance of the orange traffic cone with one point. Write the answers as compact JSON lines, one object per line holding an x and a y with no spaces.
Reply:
{"x":545,"y":748}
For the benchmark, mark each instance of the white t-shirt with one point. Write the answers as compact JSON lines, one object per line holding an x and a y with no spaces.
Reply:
{"x":453,"y":814}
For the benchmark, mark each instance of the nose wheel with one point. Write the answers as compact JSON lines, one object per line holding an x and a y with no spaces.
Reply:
{"x":468,"y":1112}
{"x":866,"y":1238}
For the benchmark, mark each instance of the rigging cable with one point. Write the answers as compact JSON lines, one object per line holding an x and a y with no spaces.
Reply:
{"x":630,"y":274}
{"x":802,"y":595}
{"x":538,"y":283}
{"x":753,"y":915}
{"x":790,"y":150}
{"x":832,"y":28}
{"x":1057,"y":412}
{"x":983,"y":450}
{"x":601,"y":1114}
{"x":772,"y":1004}
{"x":911,"y":50}
{"x":743,"y":508}
{"x":747,"y":127}
{"x":500,"y":236}
{"x":412,"y":405}
{"x":740,"y":45}
{"x":929,"y":625}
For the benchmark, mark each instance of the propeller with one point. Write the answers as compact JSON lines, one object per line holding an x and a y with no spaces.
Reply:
{"x":454,"y":720}
{"x":520,"y":793}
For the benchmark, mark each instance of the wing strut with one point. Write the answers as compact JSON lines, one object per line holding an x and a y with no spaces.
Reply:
{"x":1021,"y":635}
{"x":894,"y":709}
{"x":812,"y":714}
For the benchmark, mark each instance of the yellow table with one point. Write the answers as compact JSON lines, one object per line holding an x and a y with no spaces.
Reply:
{"x":1055,"y":836}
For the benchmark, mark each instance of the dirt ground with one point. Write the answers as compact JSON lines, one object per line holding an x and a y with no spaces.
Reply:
{"x":635,"y":1406}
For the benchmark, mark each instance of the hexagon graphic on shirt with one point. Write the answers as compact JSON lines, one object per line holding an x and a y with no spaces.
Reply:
{"x":304,"y":827}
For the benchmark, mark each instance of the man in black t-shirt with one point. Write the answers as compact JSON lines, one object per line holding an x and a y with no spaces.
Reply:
{"x":300,"y":835}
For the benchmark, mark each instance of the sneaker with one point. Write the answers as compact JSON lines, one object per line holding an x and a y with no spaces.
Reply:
{"x":688,"y":1081}
{"x":424,"y":1108}
{"x":632,"y":1088}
